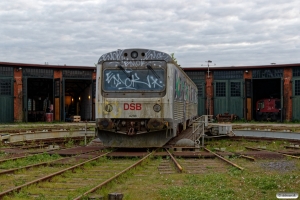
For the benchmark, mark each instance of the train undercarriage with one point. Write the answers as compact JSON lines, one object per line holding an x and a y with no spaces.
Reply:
{"x":150,"y":139}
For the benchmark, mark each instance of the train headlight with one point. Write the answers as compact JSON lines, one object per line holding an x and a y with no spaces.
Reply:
{"x":134,"y":54}
{"x":108,"y":108}
{"x":156,"y":107}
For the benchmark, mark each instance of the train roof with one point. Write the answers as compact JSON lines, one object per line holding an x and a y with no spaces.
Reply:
{"x":135,"y":55}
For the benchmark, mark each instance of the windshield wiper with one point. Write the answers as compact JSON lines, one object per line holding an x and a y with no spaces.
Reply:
{"x":122,"y":68}
{"x":151,"y":69}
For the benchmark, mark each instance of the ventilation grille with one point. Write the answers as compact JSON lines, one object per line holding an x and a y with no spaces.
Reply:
{"x":178,"y":110}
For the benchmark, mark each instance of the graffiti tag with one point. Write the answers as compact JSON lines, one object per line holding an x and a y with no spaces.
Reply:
{"x":133,"y":82}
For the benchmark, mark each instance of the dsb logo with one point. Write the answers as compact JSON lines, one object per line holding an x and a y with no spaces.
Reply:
{"x":132,"y":106}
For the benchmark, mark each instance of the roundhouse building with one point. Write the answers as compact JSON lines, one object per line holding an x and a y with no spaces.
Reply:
{"x":32,"y":92}
{"x":236,"y":90}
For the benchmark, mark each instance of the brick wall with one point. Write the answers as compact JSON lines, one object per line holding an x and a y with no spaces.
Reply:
{"x":18,"y":96}
{"x":287,"y":93}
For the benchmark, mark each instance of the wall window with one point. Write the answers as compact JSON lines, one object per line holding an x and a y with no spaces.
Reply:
{"x":57,"y":88}
{"x":297,"y":87}
{"x":220,"y":89}
{"x":235,"y":89}
{"x":5,"y":87}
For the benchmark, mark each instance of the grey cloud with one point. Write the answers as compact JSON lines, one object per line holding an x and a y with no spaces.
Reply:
{"x":79,"y":32}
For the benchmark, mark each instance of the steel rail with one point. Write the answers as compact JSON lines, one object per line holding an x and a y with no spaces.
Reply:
{"x":222,"y":158}
{"x":114,"y":177}
{"x":284,"y":154}
{"x":178,"y":166}
{"x":247,"y":157}
{"x":29,"y":166}
{"x":252,"y":148}
{"x":29,"y":155}
{"x":291,"y":147}
{"x":15,"y":158}
{"x":242,"y":155}
{"x":239,"y":154}
{"x":2,"y":194}
{"x":38,"y":164}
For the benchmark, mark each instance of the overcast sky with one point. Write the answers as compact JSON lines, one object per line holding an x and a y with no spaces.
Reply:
{"x":78,"y":32}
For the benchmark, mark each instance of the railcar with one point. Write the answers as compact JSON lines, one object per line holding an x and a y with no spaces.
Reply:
{"x":268,"y":109}
{"x":143,"y":98}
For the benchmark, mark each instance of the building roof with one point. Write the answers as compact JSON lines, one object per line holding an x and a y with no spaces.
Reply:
{"x":213,"y":68}
{"x":46,"y":66}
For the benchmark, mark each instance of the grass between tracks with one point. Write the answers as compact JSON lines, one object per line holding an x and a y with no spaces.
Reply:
{"x":260,"y":180}
{"x":30,"y":160}
{"x":146,"y":183}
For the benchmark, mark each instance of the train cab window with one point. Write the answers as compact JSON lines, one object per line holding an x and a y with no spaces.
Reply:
{"x":260,"y":105}
{"x":135,"y":80}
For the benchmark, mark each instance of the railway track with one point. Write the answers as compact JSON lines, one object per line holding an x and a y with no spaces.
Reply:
{"x":66,"y":179}
{"x":80,"y":177}
{"x":88,"y":175}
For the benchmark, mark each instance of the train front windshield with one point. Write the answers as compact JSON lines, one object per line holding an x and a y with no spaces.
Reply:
{"x":137,"y":79}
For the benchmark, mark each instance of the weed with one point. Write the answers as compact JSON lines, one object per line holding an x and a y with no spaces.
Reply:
{"x":18,"y":182}
{"x":34,"y":159}
{"x":263,"y":182}
{"x":69,"y":143}
{"x":233,"y":171}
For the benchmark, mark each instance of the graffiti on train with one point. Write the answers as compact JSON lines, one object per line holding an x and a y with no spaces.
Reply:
{"x":130,"y":80}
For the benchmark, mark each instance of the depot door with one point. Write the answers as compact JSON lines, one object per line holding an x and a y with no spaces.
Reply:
{"x":296,"y":98}
{"x":228,"y":97}
{"x":6,"y":100}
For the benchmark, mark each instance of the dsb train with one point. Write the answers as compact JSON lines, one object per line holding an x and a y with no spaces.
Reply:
{"x":143,"y":98}
{"x":268,"y":109}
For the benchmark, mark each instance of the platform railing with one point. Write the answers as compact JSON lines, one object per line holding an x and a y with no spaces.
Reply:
{"x":199,"y":125}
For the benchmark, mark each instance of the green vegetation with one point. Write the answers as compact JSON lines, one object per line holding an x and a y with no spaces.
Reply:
{"x":261,"y":179}
{"x":34,"y":159}
{"x":69,"y":142}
